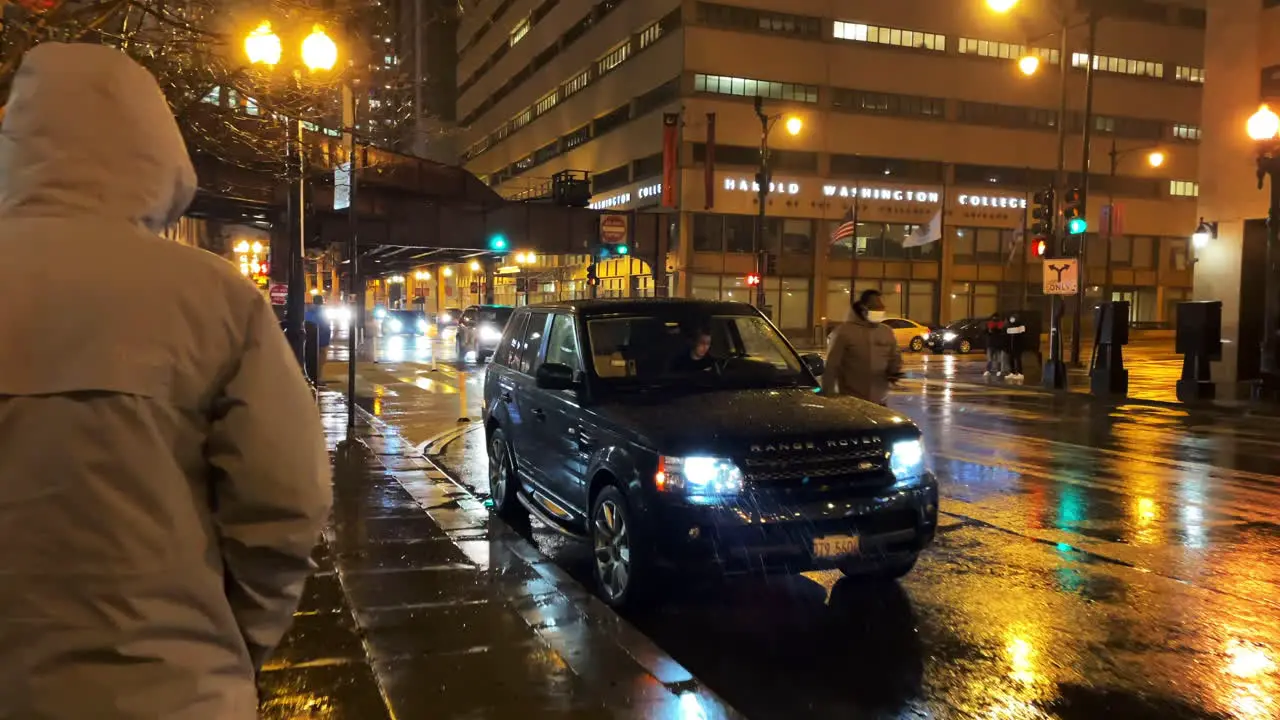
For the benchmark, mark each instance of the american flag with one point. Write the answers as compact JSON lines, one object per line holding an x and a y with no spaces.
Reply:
{"x":845,"y":229}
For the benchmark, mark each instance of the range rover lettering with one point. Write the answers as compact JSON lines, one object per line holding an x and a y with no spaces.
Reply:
{"x":683,"y":434}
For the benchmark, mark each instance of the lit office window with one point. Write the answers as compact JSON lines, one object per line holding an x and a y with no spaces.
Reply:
{"x":546,"y":103}
{"x":1184,"y":188}
{"x":519,"y":31}
{"x":860,"y":32}
{"x":615,"y":58}
{"x":747,"y":87}
{"x":650,"y":35}
{"x":1123,"y":66}
{"x":577,"y":82}
{"x":1186,"y":132}
{"x":1004,"y":50}
{"x":1186,"y":73}
{"x":521,"y":120}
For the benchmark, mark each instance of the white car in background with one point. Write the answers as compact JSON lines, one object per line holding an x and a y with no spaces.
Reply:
{"x":911,"y":334}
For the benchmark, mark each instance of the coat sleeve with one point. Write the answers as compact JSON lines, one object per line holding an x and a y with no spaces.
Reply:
{"x":894,"y":367}
{"x":271,"y":493}
{"x":835,"y":356}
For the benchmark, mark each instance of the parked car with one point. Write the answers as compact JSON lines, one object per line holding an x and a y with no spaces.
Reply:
{"x":911,"y":334}
{"x":479,"y":330}
{"x":602,"y":422}
{"x":404,"y":322}
{"x":962,"y":336}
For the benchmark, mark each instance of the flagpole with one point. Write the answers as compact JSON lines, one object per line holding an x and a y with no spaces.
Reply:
{"x":853,"y":247}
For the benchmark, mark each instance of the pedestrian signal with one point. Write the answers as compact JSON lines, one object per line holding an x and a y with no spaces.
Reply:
{"x":753,"y":280}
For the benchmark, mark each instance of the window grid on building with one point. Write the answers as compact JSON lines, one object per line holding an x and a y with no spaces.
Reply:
{"x":1014,"y":116}
{"x":577,"y":82}
{"x":519,"y":31}
{"x":748,"y":87}
{"x":889,"y":103}
{"x":547,"y":102}
{"x":860,"y":32}
{"x":1186,"y":73}
{"x":577,"y":137}
{"x":614,"y":58}
{"x":1123,"y":66}
{"x":1184,"y":188}
{"x":650,"y":35}
{"x":1004,"y":50}
{"x":1186,"y":132}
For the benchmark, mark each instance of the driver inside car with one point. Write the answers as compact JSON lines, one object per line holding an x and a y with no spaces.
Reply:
{"x":696,"y":355}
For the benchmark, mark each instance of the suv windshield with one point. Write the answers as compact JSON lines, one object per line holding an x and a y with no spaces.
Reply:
{"x":496,"y":315}
{"x":405,"y":316}
{"x":668,"y":348}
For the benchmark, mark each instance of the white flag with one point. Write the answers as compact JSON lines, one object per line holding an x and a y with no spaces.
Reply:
{"x":925,"y":234}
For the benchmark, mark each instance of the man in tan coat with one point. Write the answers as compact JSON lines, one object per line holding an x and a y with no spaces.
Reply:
{"x":863,"y":359}
{"x":163,"y":473}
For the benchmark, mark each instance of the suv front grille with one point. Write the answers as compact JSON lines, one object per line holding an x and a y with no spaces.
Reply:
{"x":811,"y":468}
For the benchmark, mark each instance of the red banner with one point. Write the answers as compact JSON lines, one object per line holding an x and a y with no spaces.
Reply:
{"x":670,"y":158}
{"x":709,"y":171}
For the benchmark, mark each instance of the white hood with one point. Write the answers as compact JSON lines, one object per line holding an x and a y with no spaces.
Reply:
{"x":87,"y":132}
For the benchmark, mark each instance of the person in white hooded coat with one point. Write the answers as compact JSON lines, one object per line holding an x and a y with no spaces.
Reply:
{"x":163,"y":472}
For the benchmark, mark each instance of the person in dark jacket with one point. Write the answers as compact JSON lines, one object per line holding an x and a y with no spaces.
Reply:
{"x":324,"y":333}
{"x":996,"y":341}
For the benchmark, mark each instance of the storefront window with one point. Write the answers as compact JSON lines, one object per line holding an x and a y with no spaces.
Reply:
{"x":708,"y":233}
{"x":735,"y":289}
{"x":986,"y":298}
{"x":1144,"y":253}
{"x":839,"y":300}
{"x":704,"y":287}
{"x":797,"y":237}
{"x":921,"y":302}
{"x":894,"y":235}
{"x":738,"y":233}
{"x":961,"y":294}
{"x":964,"y":245}
{"x":989,"y":247}
{"x":789,"y":298}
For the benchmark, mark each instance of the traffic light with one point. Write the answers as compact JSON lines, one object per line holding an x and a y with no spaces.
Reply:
{"x":1042,"y":212}
{"x":614,"y":250}
{"x":592,"y":278}
{"x":498,"y":243}
{"x":1039,"y":247}
{"x":1073,"y":212}
{"x":753,"y":280}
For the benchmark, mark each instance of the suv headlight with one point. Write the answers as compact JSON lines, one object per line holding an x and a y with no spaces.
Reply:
{"x":906,"y":459}
{"x":948,"y":336}
{"x":489,"y":333}
{"x":698,"y":475}
{"x":422,"y":325}
{"x":396,"y":325}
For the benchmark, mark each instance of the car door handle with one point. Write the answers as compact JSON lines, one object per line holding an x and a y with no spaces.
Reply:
{"x":506,"y":397}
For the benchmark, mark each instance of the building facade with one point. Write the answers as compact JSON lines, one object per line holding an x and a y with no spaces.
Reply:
{"x":907,"y":109}
{"x":1242,"y":57}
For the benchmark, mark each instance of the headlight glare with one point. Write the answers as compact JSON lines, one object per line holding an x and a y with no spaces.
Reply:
{"x":395,"y":325}
{"x":490,"y":333}
{"x":698,"y":475}
{"x":948,"y":337}
{"x":906,"y":459}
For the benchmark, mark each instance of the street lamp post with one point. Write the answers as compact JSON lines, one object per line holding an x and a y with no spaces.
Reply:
{"x":794,"y":125}
{"x":1090,"y":60}
{"x":318,"y":52}
{"x":1155,"y":158}
{"x":1264,"y":129}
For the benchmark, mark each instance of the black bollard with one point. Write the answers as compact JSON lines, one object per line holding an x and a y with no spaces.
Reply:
{"x":1107,"y":374}
{"x":311,"y":351}
{"x":1200,"y":343}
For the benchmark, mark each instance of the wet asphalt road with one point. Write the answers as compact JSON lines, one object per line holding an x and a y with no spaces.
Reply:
{"x":1093,"y":562}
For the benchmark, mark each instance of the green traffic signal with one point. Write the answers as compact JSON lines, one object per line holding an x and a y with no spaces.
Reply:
{"x":621,"y":249}
{"x":498,"y":243}
{"x":1077,"y":226}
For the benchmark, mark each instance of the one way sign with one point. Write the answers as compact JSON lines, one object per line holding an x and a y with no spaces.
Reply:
{"x":1061,"y":277}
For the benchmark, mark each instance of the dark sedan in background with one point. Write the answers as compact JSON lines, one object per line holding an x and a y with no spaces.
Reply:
{"x":962,"y":336}
{"x":480,"y":329}
{"x":404,"y":322}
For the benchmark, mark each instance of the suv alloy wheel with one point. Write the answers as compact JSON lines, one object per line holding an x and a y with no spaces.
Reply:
{"x":618,"y":568}
{"x":503,"y":482}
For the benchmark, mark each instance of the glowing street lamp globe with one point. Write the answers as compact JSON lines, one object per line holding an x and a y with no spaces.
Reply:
{"x":262,"y":46}
{"x":1264,"y":125}
{"x":1002,"y":6}
{"x":1029,"y":65}
{"x":319,"y":52}
{"x":1155,"y":158}
{"x":794,"y":125}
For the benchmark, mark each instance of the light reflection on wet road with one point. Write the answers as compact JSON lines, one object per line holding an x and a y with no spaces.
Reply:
{"x":1093,"y":562}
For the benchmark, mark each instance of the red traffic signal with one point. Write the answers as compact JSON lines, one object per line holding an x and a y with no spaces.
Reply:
{"x":753,"y":280}
{"x":1039,"y":247}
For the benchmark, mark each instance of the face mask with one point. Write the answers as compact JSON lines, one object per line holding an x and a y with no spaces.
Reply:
{"x":876,"y":315}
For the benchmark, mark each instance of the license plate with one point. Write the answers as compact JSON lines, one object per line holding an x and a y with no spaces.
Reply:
{"x":835,"y":546}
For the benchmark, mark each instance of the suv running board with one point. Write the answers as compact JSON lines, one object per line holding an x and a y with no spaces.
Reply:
{"x":546,"y":519}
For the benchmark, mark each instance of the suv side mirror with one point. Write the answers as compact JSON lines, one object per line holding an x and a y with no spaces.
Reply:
{"x":815,"y":364}
{"x":554,"y":376}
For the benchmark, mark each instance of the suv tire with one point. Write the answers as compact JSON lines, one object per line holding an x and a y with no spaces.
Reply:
{"x":965,"y":347}
{"x":504,"y":484}
{"x":620,"y":560}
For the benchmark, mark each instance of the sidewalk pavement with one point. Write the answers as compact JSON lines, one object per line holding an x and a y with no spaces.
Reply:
{"x":424,"y":606}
